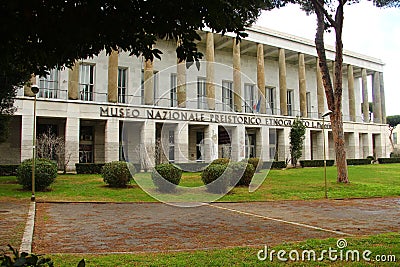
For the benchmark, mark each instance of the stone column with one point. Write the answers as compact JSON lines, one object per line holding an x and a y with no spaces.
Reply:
{"x":302,"y":86}
{"x":376,"y":95}
{"x":27,"y":88}
{"x":383,"y":104}
{"x":261,"y":77}
{"x":282,"y":82}
{"x":264,"y":144}
{"x":148,"y":83}
{"x":307,"y":145}
{"x":113,"y":77}
{"x":370,"y":144}
{"x":238,"y":142}
{"x":73,"y":82}
{"x":27,"y":133}
{"x":237,"y":80}
{"x":182,"y":143}
{"x":181,"y":83}
{"x":72,"y":130}
{"x":320,"y":91}
{"x":318,"y":153}
{"x":365,"y":104}
{"x":148,"y":143}
{"x":357,"y":146}
{"x":210,"y":86}
{"x":352,"y":98}
{"x":111,"y":145}
{"x":350,"y":145}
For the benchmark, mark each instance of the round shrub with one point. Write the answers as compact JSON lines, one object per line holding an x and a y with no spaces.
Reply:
{"x":166,"y":177}
{"x":254,"y":162}
{"x":117,"y":174}
{"x":45,"y":173}
{"x":221,"y":161}
{"x":215,"y":178}
{"x":243,"y":170}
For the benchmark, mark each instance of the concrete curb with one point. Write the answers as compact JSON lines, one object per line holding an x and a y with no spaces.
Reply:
{"x":26,"y":244}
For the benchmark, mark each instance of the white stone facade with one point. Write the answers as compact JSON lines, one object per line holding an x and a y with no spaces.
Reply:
{"x":99,"y":128}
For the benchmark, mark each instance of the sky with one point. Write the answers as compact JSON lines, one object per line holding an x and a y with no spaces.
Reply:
{"x":367,"y":30}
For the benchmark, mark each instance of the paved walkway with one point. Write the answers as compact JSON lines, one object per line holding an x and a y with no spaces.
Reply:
{"x":143,"y":227}
{"x":13,"y":216}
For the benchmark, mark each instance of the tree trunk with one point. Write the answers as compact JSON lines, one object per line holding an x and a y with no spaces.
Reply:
{"x":333,"y":97}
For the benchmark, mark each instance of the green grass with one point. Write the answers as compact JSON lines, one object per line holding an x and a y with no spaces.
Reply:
{"x":308,"y":183}
{"x":384,"y":244}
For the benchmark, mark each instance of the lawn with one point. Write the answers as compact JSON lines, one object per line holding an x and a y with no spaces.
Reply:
{"x":384,"y":244}
{"x":288,"y":184}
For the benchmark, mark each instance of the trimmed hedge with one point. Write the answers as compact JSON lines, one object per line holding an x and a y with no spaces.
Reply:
{"x":45,"y":173}
{"x":388,"y":160}
{"x":166,"y":177}
{"x":8,"y":169}
{"x":243,"y":170}
{"x":316,"y":163}
{"x":358,"y":161}
{"x":89,"y":168}
{"x":215,"y":178}
{"x":117,"y":174}
{"x":274,"y":165}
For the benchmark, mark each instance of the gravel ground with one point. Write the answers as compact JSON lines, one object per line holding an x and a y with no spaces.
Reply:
{"x":145,"y":227}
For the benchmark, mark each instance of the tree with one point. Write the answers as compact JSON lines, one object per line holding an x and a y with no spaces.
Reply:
{"x":330,"y":15}
{"x":392,"y":121}
{"x":37,"y":36}
{"x":7,"y":94}
{"x":50,"y":146}
{"x":297,"y":136}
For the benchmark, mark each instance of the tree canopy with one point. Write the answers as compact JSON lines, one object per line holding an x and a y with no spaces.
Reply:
{"x":39,"y":35}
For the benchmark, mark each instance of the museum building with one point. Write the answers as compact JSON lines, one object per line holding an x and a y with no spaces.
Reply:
{"x":239,"y":103}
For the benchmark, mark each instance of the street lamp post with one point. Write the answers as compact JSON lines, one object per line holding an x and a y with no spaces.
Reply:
{"x":329,"y":112}
{"x":35,"y":90}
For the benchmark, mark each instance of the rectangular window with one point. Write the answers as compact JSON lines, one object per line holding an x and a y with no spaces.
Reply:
{"x":272,"y":143}
{"x":48,"y":85}
{"x":86,"y":82}
{"x":171,"y":143}
{"x":250,"y":97}
{"x":227,"y":95}
{"x":270,"y":98}
{"x":290,"y":101}
{"x":250,"y":145}
{"x":308,"y":102}
{"x":86,"y":143}
{"x":395,"y":138}
{"x":173,"y":95}
{"x":155,"y":86}
{"x":200,"y":146}
{"x":201,"y":93}
{"x":122,"y":85}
